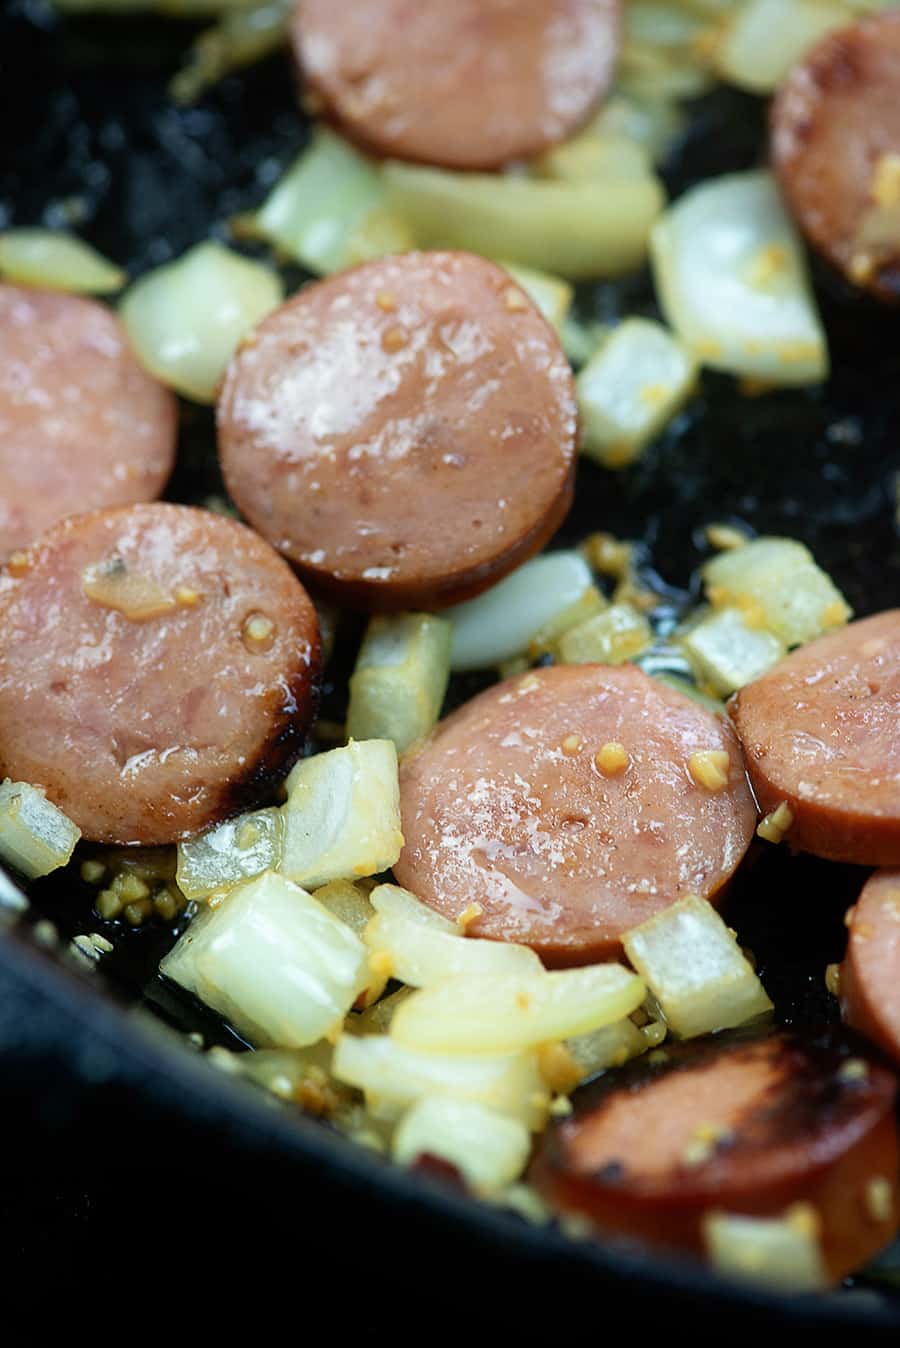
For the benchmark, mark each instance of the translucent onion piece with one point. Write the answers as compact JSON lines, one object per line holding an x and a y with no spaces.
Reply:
{"x":501,"y":623}
{"x":551,"y":294}
{"x":750,"y":56}
{"x":726,"y":652}
{"x":240,"y":38}
{"x":506,"y":1013}
{"x":400,"y":679}
{"x":695,"y":969}
{"x":56,"y":261}
{"x":573,"y":230}
{"x":782,"y":1252}
{"x":488,"y":1149}
{"x":234,"y":851}
{"x":777,"y":585}
{"x":424,"y":947}
{"x":342,"y":816}
{"x":631,"y":388}
{"x":35,"y":836}
{"x":731,"y":279}
{"x":394,"y":1077}
{"x":617,"y":634}
{"x":186,"y":319}
{"x":275,"y":963}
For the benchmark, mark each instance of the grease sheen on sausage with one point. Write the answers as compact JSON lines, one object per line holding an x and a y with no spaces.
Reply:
{"x":738,"y":1125}
{"x":404,"y":432}
{"x":820,"y":733}
{"x":505,"y":806}
{"x":836,"y":150}
{"x":870,"y":973}
{"x":82,"y":425}
{"x":158,"y":667}
{"x":468,"y":84}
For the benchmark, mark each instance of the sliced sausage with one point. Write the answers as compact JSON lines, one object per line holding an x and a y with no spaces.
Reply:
{"x":821,"y":733}
{"x":744,"y":1126}
{"x":82,"y":425}
{"x":836,"y":150}
{"x":870,"y":973}
{"x":404,"y":432}
{"x":158,"y":667}
{"x":565,"y":804}
{"x":470,"y":84}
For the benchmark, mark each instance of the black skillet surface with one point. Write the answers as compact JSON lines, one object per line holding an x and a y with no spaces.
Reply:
{"x":127,"y":1156}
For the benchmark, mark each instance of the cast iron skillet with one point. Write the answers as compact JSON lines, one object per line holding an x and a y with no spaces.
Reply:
{"x":126,"y":1152}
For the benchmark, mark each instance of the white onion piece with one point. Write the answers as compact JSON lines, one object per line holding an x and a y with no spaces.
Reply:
{"x":54,"y":260}
{"x":500,"y":623}
{"x":695,"y":969}
{"x":552,"y":295}
{"x":342,"y":816}
{"x":726,"y":652}
{"x":424,"y":947}
{"x":394,"y":1077}
{"x":610,"y":1046}
{"x":777,"y":584}
{"x":488,"y":1149}
{"x":186,"y":319}
{"x":782,"y":1252}
{"x":35,"y":836}
{"x":752,"y":57}
{"x":234,"y":851}
{"x":275,"y":963}
{"x":731,"y":279}
{"x":509,"y":1012}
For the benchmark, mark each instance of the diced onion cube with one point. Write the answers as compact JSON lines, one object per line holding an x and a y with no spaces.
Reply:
{"x":731,"y":280}
{"x":424,"y":947}
{"x":617,"y":634}
{"x":509,"y":1012}
{"x":400,"y":679}
{"x":630,"y":389}
{"x":394,"y":1077}
{"x":552,"y":295}
{"x":726,"y":652}
{"x":782,"y":1252}
{"x":489,"y":1150}
{"x":186,"y":319}
{"x":234,"y":851}
{"x":342,"y":816}
{"x":274,"y":962}
{"x":501,"y":623}
{"x":610,"y":1046}
{"x":347,"y":903}
{"x":35,"y":836}
{"x":696,"y":970}
{"x":776,"y":584}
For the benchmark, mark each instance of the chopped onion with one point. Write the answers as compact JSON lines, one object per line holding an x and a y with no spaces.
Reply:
{"x":726,"y":652}
{"x":330,"y":209}
{"x":342,"y":816}
{"x":35,"y":836}
{"x":275,"y":963}
{"x":765,"y":38}
{"x":394,"y":1077}
{"x":777,"y":585}
{"x":595,"y":157}
{"x":508,"y":1012}
{"x":57,"y":261}
{"x":631,"y":388}
{"x":731,"y":279}
{"x":610,"y":1046}
{"x":186,"y":319}
{"x":401,"y":676}
{"x":617,"y":634}
{"x":347,"y":903}
{"x":234,"y":851}
{"x":501,"y":623}
{"x":782,"y":1252}
{"x":551,"y":294}
{"x":573,"y":230}
{"x":489,"y":1150}
{"x":696,"y":970}
{"x":424,"y":947}
{"x":241,"y":37}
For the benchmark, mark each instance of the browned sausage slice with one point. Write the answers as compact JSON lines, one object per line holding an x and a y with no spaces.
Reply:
{"x":564,"y":803}
{"x":404,"y":432}
{"x":821,"y":732}
{"x":745,"y":1126}
{"x":870,"y":973}
{"x":836,"y":150}
{"x":81,"y":424}
{"x":157,"y":670}
{"x":468,"y":84}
